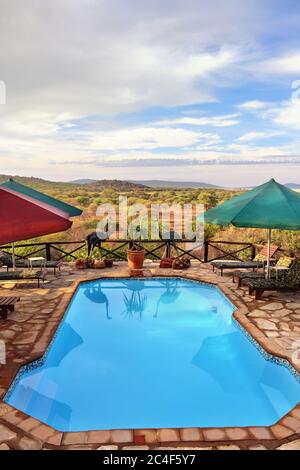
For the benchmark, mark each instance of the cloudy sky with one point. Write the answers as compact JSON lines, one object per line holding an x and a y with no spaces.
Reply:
{"x":199,"y":90}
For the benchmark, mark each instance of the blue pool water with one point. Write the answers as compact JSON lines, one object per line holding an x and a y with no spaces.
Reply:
{"x":152,"y":353}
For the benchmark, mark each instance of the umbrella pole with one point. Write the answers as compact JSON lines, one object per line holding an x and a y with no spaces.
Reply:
{"x":269,"y":252}
{"x":13,"y":257}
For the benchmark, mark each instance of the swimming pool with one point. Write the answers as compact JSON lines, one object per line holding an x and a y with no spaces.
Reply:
{"x":152,"y":353}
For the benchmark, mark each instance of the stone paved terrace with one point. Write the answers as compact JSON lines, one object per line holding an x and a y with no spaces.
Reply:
{"x":274,"y":322}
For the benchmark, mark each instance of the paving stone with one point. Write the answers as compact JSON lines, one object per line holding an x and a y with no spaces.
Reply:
{"x":237,"y":434}
{"x":107,"y":448}
{"x":135,"y":448}
{"x":281,"y":432}
{"x":214,"y":435}
{"x":168,"y":435}
{"x":7,"y":335}
{"x":272,"y":334}
{"x":228,"y":447}
{"x":182,"y":448}
{"x":74,"y":438}
{"x":6,"y":434}
{"x":259,"y":447}
{"x":98,"y":437}
{"x":27,"y":443}
{"x":293,"y":305}
{"x":258,"y":314}
{"x":4,"y":447}
{"x":122,"y":436}
{"x":26,"y":338}
{"x":56,"y":439}
{"x":273,"y":306}
{"x":265,"y":324}
{"x":282,"y":313}
{"x":261,"y":433}
{"x":149,"y":435}
{"x":294,"y":445}
{"x":292,"y":423}
{"x":296,"y":413}
{"x":190,"y":434}
{"x":4,"y":409}
{"x":13,"y":417}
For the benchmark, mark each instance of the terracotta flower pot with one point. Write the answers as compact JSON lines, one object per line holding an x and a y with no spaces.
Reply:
{"x":135,"y":259}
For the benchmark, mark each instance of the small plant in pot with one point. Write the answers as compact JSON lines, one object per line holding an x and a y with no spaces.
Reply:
{"x":135,"y":255}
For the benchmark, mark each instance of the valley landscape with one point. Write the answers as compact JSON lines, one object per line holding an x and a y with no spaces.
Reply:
{"x":89,"y":194}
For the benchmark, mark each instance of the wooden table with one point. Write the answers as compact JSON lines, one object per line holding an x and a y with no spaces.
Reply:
{"x":7,"y":304}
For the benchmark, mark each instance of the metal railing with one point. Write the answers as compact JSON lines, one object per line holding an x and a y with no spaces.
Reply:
{"x":116,"y":248}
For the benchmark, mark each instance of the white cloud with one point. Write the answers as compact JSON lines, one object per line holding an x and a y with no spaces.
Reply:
{"x":288,"y":115}
{"x":215,"y":121}
{"x":250,"y":136}
{"x":146,"y":138}
{"x":286,"y":64}
{"x":253,"y":105}
{"x":115,"y":55}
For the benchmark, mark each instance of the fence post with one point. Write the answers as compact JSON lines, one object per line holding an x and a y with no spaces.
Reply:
{"x":253,"y":251}
{"x":48,"y":251}
{"x":206,"y":245}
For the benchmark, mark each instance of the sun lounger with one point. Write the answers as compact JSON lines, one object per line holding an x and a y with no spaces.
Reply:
{"x":228,"y":264}
{"x":47,"y":264}
{"x":7,"y":304}
{"x":281,"y":267}
{"x":259,"y":261}
{"x":289,"y":282}
{"x":239,"y":276}
{"x":26,"y":274}
{"x":7,"y":263}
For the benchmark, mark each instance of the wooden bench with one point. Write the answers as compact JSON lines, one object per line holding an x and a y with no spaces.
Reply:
{"x":7,"y":304}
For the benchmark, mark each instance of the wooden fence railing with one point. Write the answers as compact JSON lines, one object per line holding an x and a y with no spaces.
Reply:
{"x":155,"y":249}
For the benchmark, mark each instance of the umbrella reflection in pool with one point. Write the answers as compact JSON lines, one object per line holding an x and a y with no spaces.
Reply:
{"x":169,"y":296}
{"x":95,"y":294}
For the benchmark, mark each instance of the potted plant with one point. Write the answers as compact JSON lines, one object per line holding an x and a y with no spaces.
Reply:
{"x":135,"y":255}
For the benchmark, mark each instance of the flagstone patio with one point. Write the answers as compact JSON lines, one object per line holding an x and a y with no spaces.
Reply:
{"x":274,"y":323}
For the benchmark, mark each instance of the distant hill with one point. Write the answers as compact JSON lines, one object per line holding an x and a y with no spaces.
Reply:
{"x":293,"y":185}
{"x":119,"y":185}
{"x":83,"y":181}
{"x":37,"y":183}
{"x":174,"y":184}
{"x":44,"y":185}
